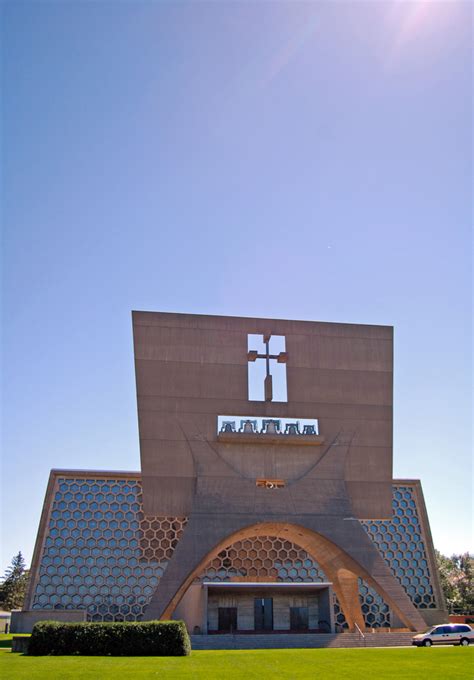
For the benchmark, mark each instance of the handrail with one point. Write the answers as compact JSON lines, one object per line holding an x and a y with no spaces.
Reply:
{"x":361,"y":634}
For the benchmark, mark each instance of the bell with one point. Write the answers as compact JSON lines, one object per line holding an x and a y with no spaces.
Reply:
{"x":228,"y":426}
{"x":248,"y":426}
{"x":271,"y":426}
{"x":292,"y":428}
{"x":309,"y":429}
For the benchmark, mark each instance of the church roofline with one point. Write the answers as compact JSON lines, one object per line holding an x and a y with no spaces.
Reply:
{"x":173,"y":317}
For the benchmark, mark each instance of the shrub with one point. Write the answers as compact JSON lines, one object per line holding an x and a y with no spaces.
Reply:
{"x":150,"y":638}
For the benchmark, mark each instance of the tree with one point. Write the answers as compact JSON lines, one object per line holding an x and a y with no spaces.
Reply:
{"x":457,"y":581}
{"x":14,"y":584}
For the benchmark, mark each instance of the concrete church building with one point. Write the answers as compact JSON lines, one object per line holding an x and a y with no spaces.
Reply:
{"x":265,"y":501}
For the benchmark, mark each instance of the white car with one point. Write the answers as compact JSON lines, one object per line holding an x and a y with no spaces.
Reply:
{"x":447,"y":634}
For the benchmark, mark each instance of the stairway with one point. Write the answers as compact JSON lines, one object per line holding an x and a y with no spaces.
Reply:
{"x":301,"y":641}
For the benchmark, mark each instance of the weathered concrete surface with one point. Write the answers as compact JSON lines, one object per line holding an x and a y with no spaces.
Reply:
{"x":23,"y":621}
{"x":191,"y":368}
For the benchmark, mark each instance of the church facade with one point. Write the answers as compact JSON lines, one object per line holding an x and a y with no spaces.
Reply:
{"x":265,"y":500}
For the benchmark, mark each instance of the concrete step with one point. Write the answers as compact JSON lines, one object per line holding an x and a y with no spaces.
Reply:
{"x":300,"y":641}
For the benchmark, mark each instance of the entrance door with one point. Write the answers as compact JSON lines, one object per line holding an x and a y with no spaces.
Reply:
{"x":227,"y":619}
{"x":263,"y":610}
{"x":299,"y":618}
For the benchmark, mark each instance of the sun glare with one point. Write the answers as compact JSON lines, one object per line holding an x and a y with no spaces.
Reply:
{"x":418,"y":21}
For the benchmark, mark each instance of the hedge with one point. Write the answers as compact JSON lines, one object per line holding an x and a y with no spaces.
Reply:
{"x":150,"y":638}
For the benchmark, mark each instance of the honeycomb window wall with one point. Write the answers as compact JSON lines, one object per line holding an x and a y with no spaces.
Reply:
{"x":263,"y":557}
{"x":400,"y":542}
{"x":100,"y":553}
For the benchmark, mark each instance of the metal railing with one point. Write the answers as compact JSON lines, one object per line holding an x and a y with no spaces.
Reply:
{"x":361,"y":634}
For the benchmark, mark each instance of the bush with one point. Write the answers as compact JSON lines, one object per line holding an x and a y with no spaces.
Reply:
{"x":150,"y":638}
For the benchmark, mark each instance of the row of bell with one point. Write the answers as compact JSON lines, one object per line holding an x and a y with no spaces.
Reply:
{"x":268,"y":427}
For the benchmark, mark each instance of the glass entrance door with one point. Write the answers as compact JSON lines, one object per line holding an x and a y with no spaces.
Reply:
{"x":227,"y":619}
{"x":263,"y":610}
{"x":299,"y":618}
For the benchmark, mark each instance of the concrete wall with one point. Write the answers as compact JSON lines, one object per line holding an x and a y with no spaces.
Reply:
{"x":192,"y":609}
{"x":5,"y":623}
{"x":434,"y":616}
{"x":214,"y":601}
{"x":192,"y":368}
{"x":326,"y":608}
{"x":281,"y":609}
{"x":23,"y":622}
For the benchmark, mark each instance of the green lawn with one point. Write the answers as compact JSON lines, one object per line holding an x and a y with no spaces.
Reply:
{"x":450,"y":663}
{"x":6,"y":639}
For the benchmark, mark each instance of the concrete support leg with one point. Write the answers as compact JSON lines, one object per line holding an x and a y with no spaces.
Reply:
{"x":346,"y":587}
{"x":198,"y":542}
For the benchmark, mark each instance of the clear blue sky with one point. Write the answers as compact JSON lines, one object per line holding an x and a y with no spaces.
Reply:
{"x":294,"y":160}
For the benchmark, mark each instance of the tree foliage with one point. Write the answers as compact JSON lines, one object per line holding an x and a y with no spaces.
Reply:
{"x":457,"y":581}
{"x":14,"y":584}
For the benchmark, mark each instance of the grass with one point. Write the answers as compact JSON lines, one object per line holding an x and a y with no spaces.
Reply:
{"x":447,"y":663}
{"x":6,"y":638}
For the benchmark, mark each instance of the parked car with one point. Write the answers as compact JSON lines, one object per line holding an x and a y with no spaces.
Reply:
{"x":447,"y":634}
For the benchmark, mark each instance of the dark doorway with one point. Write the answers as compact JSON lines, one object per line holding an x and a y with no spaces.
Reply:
{"x":227,"y":619}
{"x":263,"y":609}
{"x":299,"y":619}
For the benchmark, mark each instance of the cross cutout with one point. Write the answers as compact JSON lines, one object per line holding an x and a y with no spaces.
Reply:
{"x":281,"y":358}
